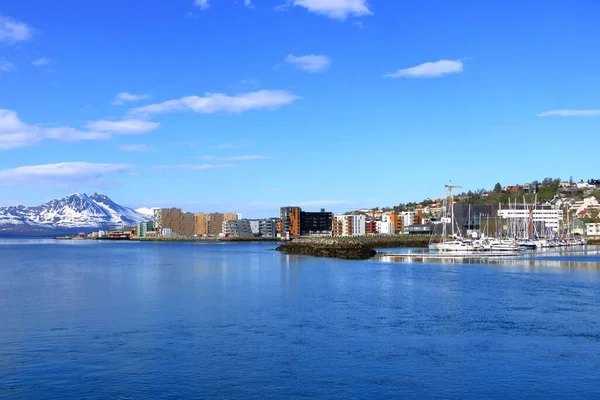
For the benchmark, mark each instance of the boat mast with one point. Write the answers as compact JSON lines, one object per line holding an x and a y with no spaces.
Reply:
{"x":449,"y":186}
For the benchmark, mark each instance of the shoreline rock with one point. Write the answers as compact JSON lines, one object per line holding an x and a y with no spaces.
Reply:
{"x":331,"y":248}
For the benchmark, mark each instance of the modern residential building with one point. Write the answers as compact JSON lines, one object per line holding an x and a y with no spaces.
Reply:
{"x":316,"y":223}
{"x":370,"y":227}
{"x":297,"y":222}
{"x":385,"y":228}
{"x":395,"y":219}
{"x":348,"y":225}
{"x":178,"y":222}
{"x":237,"y":228}
{"x":144,"y":227}
{"x":255,"y":226}
{"x":290,"y":221}
{"x":212,"y":224}
{"x":268,"y":227}
{"x":409,"y":218}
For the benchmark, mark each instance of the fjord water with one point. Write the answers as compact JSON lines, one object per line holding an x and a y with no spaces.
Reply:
{"x":85,"y":319}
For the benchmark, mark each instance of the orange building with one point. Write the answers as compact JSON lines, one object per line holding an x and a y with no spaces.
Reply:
{"x":290,"y":220}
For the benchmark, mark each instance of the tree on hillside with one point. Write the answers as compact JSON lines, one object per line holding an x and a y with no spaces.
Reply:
{"x":497,"y":188}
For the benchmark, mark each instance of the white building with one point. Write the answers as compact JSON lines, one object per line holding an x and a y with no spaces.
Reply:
{"x":592,"y":229}
{"x":585,"y":185}
{"x":408,"y":218}
{"x":255,"y":226}
{"x":349,"y":225}
{"x":549,"y":218}
{"x":385,"y":227}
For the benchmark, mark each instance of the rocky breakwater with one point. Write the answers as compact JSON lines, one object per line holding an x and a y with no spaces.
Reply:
{"x":322,"y":247}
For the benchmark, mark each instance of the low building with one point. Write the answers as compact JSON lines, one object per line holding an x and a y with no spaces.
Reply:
{"x":144,"y":227}
{"x":592,"y":229}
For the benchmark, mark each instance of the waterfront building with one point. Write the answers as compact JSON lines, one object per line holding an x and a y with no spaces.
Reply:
{"x":255,"y":226}
{"x":212,"y":224}
{"x":316,"y":223}
{"x":290,"y":220}
{"x":237,"y":228}
{"x":348,"y":225}
{"x":544,"y":218}
{"x":395,"y":219}
{"x":409,"y":218}
{"x":370,"y":227}
{"x":385,"y":227}
{"x":268,"y":227}
{"x":304,"y":223}
{"x":144,"y":227}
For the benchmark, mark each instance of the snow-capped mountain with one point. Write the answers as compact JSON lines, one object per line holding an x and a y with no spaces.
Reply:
{"x":74,"y":211}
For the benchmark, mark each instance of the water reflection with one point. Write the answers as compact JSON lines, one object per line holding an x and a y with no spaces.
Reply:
{"x":587,"y":258}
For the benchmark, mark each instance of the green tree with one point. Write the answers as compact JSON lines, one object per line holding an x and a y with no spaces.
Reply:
{"x":497,"y":188}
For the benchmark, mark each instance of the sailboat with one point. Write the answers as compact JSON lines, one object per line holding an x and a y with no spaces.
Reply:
{"x":456,"y":243}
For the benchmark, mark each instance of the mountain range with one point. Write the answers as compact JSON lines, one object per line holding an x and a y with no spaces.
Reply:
{"x":74,"y":213}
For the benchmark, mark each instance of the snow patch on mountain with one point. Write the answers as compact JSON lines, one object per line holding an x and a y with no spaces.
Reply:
{"x":149,"y":212}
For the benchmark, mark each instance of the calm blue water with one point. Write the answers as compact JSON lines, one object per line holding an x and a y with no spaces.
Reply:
{"x":163,"y":321}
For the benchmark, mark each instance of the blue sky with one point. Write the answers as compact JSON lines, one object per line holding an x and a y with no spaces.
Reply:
{"x":226,"y":105}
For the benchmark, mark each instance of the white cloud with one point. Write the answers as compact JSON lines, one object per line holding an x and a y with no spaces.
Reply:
{"x":194,"y":167}
{"x":68,"y":134}
{"x":245,"y":158}
{"x":14,"y":133}
{"x":429,"y":70}
{"x":13,"y":31}
{"x":248,"y":3}
{"x":123,"y":97}
{"x":233,"y":145}
{"x":42,"y":61}
{"x":203,"y":4}
{"x":216,"y":102}
{"x":274,"y":190}
{"x":207,"y":158}
{"x":135,"y":147}
{"x":5,"y":66}
{"x":60,"y":174}
{"x":311,"y":63}
{"x":123,"y":127}
{"x":570,"y":113}
{"x":336,"y":9}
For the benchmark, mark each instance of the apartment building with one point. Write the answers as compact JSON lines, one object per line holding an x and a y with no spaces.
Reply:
{"x":237,"y":228}
{"x":385,"y":227}
{"x":409,"y":218}
{"x":348,"y":225}
{"x":212,"y":224}
{"x":297,"y":222}
{"x":179,"y":222}
{"x":395,"y":219}
{"x":290,"y":220}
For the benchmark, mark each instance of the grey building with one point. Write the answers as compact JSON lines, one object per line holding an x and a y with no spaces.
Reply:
{"x":238,"y":228}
